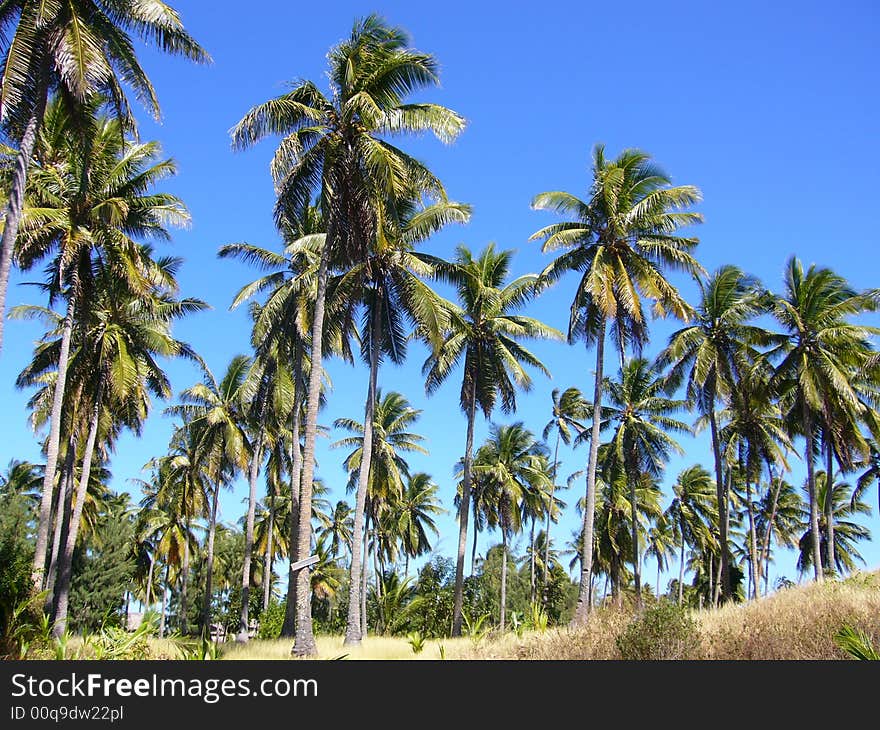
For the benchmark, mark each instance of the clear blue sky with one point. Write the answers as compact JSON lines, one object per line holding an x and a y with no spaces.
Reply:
{"x":770,"y":108}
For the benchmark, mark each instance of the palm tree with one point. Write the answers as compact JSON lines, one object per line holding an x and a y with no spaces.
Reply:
{"x":778,"y":518}
{"x":339,"y":529}
{"x":848,"y":532}
{"x":484,"y":333}
{"x":620,"y":241}
{"x":93,"y":194}
{"x":821,"y":356}
{"x":570,"y":410}
{"x":414,"y":514}
{"x":78,"y":48}
{"x":640,"y":407}
{"x":212,"y":410}
{"x":710,"y":355}
{"x":692,"y":512}
{"x":333,"y":144}
{"x":870,"y":467}
{"x":512,"y":464}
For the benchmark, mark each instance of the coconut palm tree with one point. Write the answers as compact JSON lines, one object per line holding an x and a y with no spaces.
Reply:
{"x":333,"y":144}
{"x":620,"y":241}
{"x":93,"y":195}
{"x":570,"y":410}
{"x":848,"y":532}
{"x":212,"y":410}
{"x":692,"y":512}
{"x":484,"y":334}
{"x":77,"y":48}
{"x":821,"y":358}
{"x":779,"y":519}
{"x":640,"y":412}
{"x":710,"y":355}
{"x":512,"y":464}
{"x":414,"y":514}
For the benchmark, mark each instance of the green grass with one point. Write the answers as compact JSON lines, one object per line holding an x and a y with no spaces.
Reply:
{"x":331,"y":647}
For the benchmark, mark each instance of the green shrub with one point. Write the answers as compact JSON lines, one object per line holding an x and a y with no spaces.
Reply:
{"x":271,"y":621}
{"x":664,"y":631}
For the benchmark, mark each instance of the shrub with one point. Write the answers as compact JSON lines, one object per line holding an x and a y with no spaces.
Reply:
{"x":271,"y":621}
{"x":664,"y":631}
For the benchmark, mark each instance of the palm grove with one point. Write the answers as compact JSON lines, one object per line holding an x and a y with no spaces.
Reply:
{"x":771,"y":377}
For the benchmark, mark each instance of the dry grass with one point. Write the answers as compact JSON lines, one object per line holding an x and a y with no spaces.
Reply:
{"x":796,"y":623}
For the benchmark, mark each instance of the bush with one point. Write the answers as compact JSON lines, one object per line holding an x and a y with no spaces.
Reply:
{"x":665,"y":631}
{"x":271,"y":621}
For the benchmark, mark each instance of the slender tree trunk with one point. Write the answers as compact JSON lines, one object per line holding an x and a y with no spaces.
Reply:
{"x":681,"y":567}
{"x":658,"y":577}
{"x":616,"y":595}
{"x":289,"y":627}
{"x":253,"y":475}
{"x":532,"y":562}
{"x":476,"y":535}
{"x":304,"y":643}
{"x":753,"y":543}
{"x":353,"y":623}
{"x":267,"y":558}
{"x":712,"y":583}
{"x":764,"y":561}
{"x":721,"y":495}
{"x":818,"y":574}
{"x":503,"y":574}
{"x":463,"y":513}
{"x":184,"y":585}
{"x":366,"y":555}
{"x":634,"y":516}
{"x":164,"y":602}
{"x":544,"y":587}
{"x":43,"y":520}
{"x":582,"y":609}
{"x":209,"y":563}
{"x":66,"y":565}
{"x":14,"y":209}
{"x":62,"y":521}
{"x":829,"y":506}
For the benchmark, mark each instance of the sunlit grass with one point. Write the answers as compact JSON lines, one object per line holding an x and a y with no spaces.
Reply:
{"x":331,"y":647}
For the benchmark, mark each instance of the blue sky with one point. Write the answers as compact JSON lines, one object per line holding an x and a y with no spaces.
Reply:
{"x":770,"y":108}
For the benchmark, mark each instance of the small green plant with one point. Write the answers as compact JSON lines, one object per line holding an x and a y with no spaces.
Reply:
{"x":416,"y":641}
{"x":517,"y":624}
{"x":856,"y":643}
{"x":539,"y":618}
{"x":476,"y":630}
{"x":664,"y":631}
{"x":60,"y":645}
{"x":200,"y":650}
{"x":442,"y":650}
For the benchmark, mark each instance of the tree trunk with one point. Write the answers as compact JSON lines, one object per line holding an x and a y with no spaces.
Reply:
{"x":463,"y":513}
{"x":634,"y":517}
{"x":753,"y":542}
{"x":14,"y":208}
{"x":544,"y":587}
{"x":304,"y":642}
{"x":721,"y":496}
{"x":764,"y":557}
{"x":829,"y":507}
{"x":62,"y":520}
{"x":681,"y":567}
{"x":184,"y":584}
{"x":150,"y":582}
{"x":267,"y":558}
{"x":43,"y":520}
{"x":712,"y":584}
{"x":532,"y":562}
{"x":353,"y":622}
{"x":818,"y":574}
{"x":503,"y":574}
{"x":253,"y":475}
{"x":66,"y":565}
{"x":582,"y":609}
{"x":289,"y":627}
{"x":366,"y":554}
{"x":209,"y":563}
{"x":616,"y":596}
{"x":164,"y":602}
{"x":476,"y":535}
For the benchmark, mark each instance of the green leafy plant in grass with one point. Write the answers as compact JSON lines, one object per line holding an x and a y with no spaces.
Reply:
{"x":416,"y":641}
{"x":442,"y":650}
{"x":115,"y":643}
{"x":517,"y":624}
{"x":664,"y":631}
{"x":476,"y":629}
{"x":856,"y":643}
{"x":539,"y":618}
